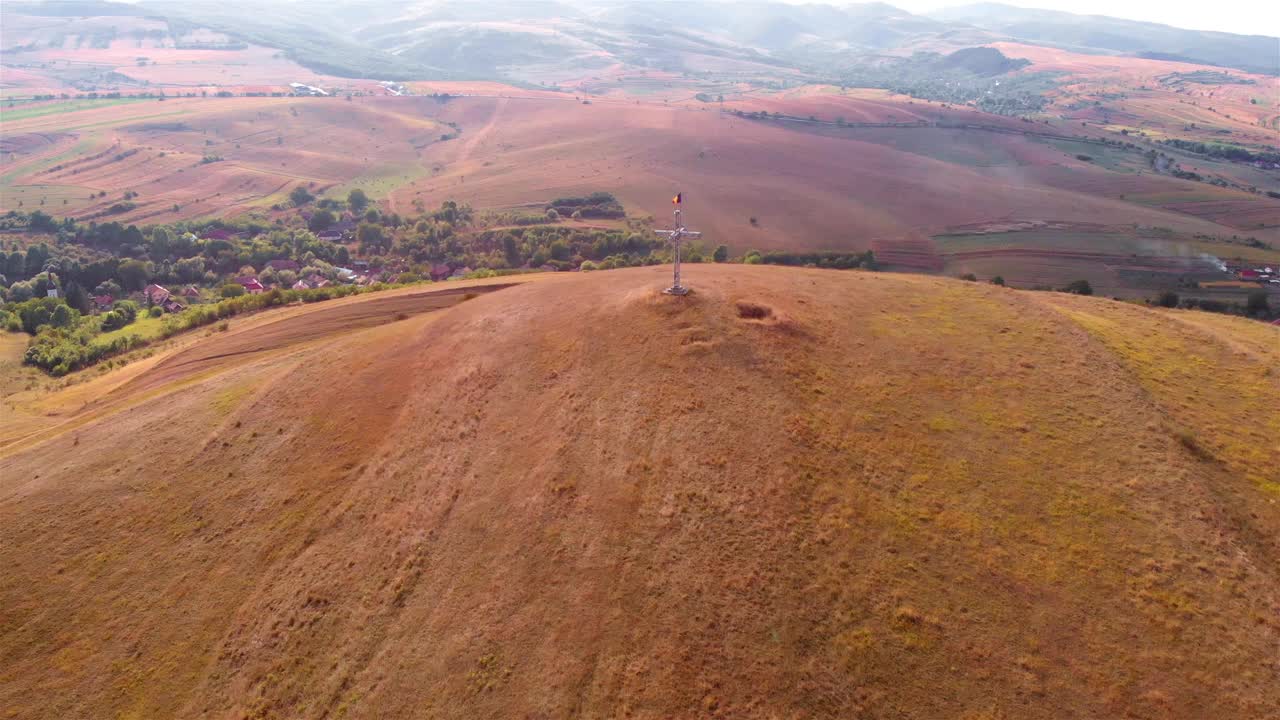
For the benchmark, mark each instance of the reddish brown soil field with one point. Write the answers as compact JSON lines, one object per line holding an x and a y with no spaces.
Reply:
{"x":260,"y":148}
{"x":807,"y":186}
{"x":1153,"y":99}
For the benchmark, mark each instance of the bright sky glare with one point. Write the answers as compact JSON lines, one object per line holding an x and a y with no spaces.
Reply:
{"x":1247,"y":17}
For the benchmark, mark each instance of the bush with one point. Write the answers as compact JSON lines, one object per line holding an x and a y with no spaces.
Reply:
{"x":1078,"y":287}
{"x":998,"y":280}
{"x":322,"y":220}
{"x":232,"y":290}
{"x":300,"y":196}
{"x":969,"y":277}
{"x":1168,"y":299}
{"x":128,"y":309}
{"x":155,"y":312}
{"x":38,"y":312}
{"x":1258,"y":305}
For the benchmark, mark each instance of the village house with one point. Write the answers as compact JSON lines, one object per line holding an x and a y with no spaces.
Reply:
{"x":279,"y":265}
{"x":156,"y":294}
{"x":250,"y":284}
{"x":345,"y":227}
{"x":103,"y":303}
{"x":172,"y":306}
{"x":440,"y":272}
{"x":191,"y":291}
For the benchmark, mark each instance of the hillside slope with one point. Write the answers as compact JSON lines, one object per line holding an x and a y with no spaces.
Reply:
{"x":795,"y":493}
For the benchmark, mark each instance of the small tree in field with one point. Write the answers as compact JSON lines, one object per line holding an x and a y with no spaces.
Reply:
{"x":357,"y":200}
{"x":300,"y":196}
{"x":1258,"y":305}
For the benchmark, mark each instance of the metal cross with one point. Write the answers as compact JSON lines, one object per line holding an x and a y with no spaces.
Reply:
{"x":675,"y":236}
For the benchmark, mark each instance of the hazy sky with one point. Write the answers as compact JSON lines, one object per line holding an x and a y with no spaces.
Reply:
{"x":1249,"y":17}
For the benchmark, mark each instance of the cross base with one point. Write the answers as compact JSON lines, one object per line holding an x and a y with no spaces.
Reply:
{"x":676,"y":290}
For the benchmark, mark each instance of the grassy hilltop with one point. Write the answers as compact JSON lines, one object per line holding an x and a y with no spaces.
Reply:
{"x":795,"y":493}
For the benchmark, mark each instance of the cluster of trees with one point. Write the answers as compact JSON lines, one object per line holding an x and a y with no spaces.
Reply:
{"x":448,"y":236}
{"x":64,"y":341}
{"x":59,"y":350}
{"x":934,"y":77}
{"x":1223,"y":150}
{"x":832,"y":260}
{"x":111,"y":258}
{"x":595,"y":205}
{"x":1257,"y":304}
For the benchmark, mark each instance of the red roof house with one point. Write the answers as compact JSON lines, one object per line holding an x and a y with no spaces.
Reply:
{"x":251,"y":284}
{"x":156,"y":295}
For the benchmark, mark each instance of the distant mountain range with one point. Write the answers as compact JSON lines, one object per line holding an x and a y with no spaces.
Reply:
{"x":1255,"y":53}
{"x":484,"y":40}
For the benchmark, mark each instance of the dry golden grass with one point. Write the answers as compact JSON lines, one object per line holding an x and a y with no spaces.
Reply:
{"x":795,"y":493}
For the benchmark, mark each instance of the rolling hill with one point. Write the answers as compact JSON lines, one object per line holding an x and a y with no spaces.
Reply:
{"x":1254,"y":53}
{"x":794,"y":493}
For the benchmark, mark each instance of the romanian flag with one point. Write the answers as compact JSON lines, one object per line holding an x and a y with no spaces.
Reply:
{"x":676,"y":200}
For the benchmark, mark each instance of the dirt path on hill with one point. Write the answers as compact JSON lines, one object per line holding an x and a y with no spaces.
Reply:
{"x":223,"y":351}
{"x":474,"y":141}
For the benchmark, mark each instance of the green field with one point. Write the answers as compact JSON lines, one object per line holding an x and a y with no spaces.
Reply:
{"x":53,"y":199}
{"x":1209,"y":194}
{"x":1104,"y":156}
{"x":24,"y":112}
{"x":80,"y":148}
{"x":1113,"y":243}
{"x":145,"y":327}
{"x":960,"y":147}
{"x":381,"y":181}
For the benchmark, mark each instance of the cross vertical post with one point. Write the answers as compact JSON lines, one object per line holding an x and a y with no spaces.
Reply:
{"x":676,"y":236}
